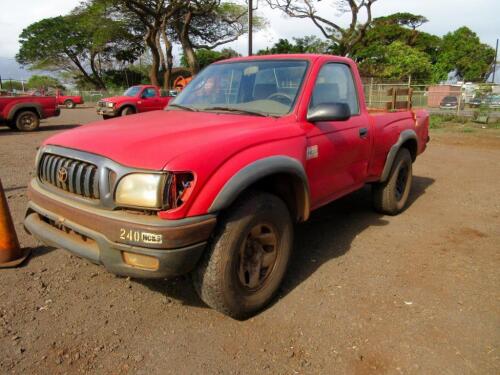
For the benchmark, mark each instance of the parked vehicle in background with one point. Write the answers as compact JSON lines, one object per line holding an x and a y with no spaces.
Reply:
{"x":475,"y":102}
{"x":69,"y":101}
{"x":214,"y":184}
{"x":492,"y":101}
{"x":24,"y":112}
{"x":450,"y":102}
{"x":136,"y":99}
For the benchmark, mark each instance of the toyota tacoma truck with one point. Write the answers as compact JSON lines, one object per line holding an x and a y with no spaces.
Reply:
{"x":25,"y":112}
{"x":136,"y":99}
{"x":69,"y":101}
{"x":214,"y":184}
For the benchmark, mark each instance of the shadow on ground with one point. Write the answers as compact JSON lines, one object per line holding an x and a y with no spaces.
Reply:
{"x":327,"y":235}
{"x":42,"y":128}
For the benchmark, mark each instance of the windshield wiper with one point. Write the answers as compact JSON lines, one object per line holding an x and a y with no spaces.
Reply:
{"x":232,"y":109}
{"x":191,"y":109}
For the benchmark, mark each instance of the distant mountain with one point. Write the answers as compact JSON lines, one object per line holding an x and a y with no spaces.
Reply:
{"x":10,"y":69}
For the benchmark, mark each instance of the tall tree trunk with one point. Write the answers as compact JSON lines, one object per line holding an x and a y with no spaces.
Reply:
{"x":182,"y":29}
{"x":168,"y":61}
{"x":95,"y":71}
{"x":155,"y":57}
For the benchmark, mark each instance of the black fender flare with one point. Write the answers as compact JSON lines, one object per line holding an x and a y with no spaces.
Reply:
{"x":259,"y":169}
{"x":408,"y":134}
{"x":31,"y":106}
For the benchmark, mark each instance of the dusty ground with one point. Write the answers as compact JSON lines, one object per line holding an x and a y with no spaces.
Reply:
{"x":366,"y":294}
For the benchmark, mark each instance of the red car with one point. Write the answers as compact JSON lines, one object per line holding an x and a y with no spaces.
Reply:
{"x":136,"y":99}
{"x":24,"y":112}
{"x":214,"y":184}
{"x":69,"y":101}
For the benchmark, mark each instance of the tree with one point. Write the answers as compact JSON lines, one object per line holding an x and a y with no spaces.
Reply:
{"x":399,"y":27}
{"x":307,"y":44}
{"x":206,"y":57}
{"x":207,"y":24}
{"x":153,"y":15}
{"x":401,"y":61}
{"x":462,"y":50}
{"x":344,"y":39}
{"x":87,"y":39}
{"x":43,"y":82}
{"x":55,"y":44}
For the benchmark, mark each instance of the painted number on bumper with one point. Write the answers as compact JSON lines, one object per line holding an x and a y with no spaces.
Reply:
{"x":140,"y":237}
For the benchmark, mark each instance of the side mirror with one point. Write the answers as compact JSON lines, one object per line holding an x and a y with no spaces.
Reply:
{"x":329,"y":112}
{"x":144,"y":95}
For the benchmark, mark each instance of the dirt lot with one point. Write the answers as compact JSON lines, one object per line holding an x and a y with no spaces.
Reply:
{"x":366,"y":294}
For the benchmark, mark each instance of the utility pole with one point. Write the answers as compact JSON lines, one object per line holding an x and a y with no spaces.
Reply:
{"x":250,"y":26}
{"x":495,"y":63}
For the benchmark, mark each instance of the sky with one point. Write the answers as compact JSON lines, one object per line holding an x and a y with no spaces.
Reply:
{"x":482,"y":16}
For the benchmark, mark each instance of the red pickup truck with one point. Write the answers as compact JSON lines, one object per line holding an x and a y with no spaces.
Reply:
{"x":136,"y":99}
{"x":69,"y":101}
{"x":24,"y":112}
{"x":214,"y":184}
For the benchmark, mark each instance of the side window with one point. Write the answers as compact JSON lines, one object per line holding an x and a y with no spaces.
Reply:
{"x":149,"y":93}
{"x":335,"y":84}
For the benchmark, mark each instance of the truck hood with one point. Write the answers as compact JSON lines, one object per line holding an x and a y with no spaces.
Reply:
{"x":117,"y":99}
{"x":151,"y":140}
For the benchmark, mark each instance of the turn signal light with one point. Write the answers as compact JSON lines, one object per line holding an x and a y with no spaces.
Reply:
{"x":141,"y":261}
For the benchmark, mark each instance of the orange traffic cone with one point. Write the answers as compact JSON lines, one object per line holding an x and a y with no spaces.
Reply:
{"x":11,"y":253}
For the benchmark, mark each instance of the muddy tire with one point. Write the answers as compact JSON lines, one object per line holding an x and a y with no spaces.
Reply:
{"x":246,"y":261}
{"x":27,"y":121}
{"x":126,"y":111}
{"x":70,"y":104}
{"x":391,"y":196}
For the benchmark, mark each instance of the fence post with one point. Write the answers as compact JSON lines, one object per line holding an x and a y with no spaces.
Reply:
{"x":370,"y":92}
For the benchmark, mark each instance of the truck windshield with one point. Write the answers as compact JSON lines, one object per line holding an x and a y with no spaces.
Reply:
{"x":132,"y":91}
{"x":260,"y":87}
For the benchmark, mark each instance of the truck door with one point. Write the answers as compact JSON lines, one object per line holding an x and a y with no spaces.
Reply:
{"x":337,"y":151}
{"x":150,"y":100}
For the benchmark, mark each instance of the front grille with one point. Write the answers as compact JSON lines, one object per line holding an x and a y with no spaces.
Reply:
{"x":74,"y":176}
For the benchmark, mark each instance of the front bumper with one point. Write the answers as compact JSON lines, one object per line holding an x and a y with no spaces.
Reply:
{"x":106,"y":111}
{"x":97,"y":235}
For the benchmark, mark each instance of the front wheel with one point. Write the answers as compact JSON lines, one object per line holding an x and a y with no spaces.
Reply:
{"x":70,"y":104}
{"x":247,"y":260}
{"x":391,"y":196}
{"x":27,"y":121}
{"x":127,"y":111}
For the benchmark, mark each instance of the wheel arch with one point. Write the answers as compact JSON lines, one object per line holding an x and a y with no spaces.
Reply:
{"x":407,"y":139}
{"x":279,"y":175}
{"x":33,"y":107}
{"x":121,"y":107}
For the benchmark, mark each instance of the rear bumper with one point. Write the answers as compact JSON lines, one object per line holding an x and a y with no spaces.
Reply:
{"x":90,"y":234}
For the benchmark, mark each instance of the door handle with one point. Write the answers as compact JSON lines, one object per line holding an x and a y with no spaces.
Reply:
{"x":363,"y":132}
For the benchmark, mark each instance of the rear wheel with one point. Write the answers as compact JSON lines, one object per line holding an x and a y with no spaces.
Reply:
{"x":70,"y":104}
{"x":391,"y":196}
{"x":127,"y":111}
{"x":27,"y":121}
{"x":246,"y":262}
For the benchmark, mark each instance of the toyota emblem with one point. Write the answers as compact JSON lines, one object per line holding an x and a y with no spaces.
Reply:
{"x":62,"y":175}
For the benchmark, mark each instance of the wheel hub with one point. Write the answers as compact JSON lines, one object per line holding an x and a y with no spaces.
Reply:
{"x":258,"y":256}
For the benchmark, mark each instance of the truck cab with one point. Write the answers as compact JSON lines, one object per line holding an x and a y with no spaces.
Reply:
{"x":214,"y":184}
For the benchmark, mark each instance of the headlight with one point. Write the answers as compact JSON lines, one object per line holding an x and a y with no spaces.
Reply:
{"x":110,"y":104}
{"x":141,"y":190}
